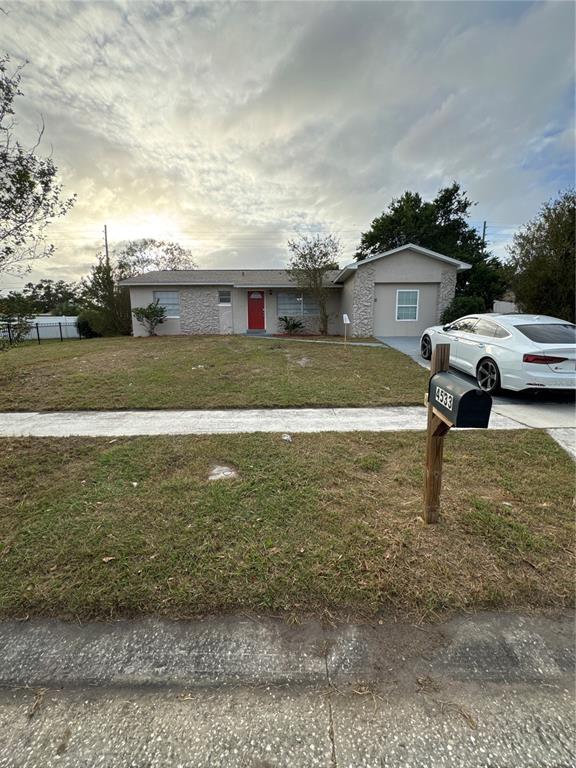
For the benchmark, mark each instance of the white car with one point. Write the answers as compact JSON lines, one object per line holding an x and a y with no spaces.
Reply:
{"x":509,"y":351}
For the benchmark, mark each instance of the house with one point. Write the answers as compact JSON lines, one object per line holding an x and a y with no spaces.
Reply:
{"x":396,"y":293}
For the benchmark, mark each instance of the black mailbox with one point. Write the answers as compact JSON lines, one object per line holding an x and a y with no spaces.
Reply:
{"x":462,"y":404}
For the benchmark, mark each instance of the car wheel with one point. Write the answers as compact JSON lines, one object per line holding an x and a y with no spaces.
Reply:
{"x":426,"y":347}
{"x":488,"y":376}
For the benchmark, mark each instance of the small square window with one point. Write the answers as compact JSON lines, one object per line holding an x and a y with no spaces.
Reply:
{"x":225,"y":297}
{"x":170,"y":300}
{"x":407,"y":305}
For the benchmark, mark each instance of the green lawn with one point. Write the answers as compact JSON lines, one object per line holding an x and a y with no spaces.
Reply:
{"x":204,"y":372}
{"x":326,"y":525}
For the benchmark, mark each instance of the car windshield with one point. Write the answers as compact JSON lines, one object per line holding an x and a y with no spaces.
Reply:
{"x":550,"y":333}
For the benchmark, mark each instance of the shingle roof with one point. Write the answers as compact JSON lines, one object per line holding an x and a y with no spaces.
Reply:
{"x":240,"y":278}
{"x":460,"y":265}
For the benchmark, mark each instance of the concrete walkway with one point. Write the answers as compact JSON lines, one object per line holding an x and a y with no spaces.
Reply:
{"x":290,"y":420}
{"x":478,"y":690}
{"x":130,"y":423}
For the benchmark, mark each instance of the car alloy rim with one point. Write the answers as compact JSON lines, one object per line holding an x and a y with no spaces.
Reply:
{"x":426,"y":347}
{"x":487,"y":376}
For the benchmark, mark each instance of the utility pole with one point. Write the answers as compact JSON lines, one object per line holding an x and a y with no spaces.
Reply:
{"x":483,"y":234}
{"x":106,"y":242}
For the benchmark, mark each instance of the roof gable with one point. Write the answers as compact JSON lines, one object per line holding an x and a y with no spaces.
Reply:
{"x":349,"y":268}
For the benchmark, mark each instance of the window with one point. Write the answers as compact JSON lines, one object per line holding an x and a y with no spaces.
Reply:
{"x":485,"y":328}
{"x":407,"y":305}
{"x":170,"y":300}
{"x":465,"y":324}
{"x":549,"y":333}
{"x":294,"y":304}
{"x":225,"y":297}
{"x":500,"y":333}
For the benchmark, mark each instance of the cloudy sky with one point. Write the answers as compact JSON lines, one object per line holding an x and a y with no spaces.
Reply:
{"x":230,"y":127}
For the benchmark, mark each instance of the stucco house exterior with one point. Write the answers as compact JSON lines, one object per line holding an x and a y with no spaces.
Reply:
{"x":396,"y":293}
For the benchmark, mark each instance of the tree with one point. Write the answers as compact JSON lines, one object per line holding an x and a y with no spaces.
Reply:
{"x":46,"y":296}
{"x":101,"y":292}
{"x":151,"y":316}
{"x":147,"y":255}
{"x":30,"y":197}
{"x":311,"y":258}
{"x":544,"y":261}
{"x":15,"y":305}
{"x":440,"y":225}
{"x":462,"y":305}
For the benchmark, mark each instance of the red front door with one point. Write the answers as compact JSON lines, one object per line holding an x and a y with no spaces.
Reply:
{"x":256,"y":311}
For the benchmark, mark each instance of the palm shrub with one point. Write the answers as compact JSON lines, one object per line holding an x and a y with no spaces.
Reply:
{"x":291,"y":324}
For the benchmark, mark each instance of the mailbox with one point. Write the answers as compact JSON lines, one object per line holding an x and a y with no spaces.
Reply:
{"x":461,"y":404}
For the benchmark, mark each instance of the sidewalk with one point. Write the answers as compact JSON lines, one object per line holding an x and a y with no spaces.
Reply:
{"x":129,"y":423}
{"x":290,"y":420}
{"x":245,"y":691}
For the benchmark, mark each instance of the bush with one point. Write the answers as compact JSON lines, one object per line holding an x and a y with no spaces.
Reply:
{"x":290,"y":324}
{"x":92,"y":323}
{"x":151,"y":316}
{"x":13,"y":331}
{"x":462,"y":305}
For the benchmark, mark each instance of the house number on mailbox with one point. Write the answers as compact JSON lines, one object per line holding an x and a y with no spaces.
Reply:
{"x":444,"y":398}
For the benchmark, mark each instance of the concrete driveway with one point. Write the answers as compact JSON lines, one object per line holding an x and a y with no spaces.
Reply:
{"x":537,"y":409}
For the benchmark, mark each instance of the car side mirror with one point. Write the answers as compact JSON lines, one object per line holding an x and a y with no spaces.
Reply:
{"x":446,"y":327}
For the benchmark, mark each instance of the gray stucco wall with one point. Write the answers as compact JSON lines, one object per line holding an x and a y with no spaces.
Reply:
{"x":199,"y":312}
{"x":312,"y":322}
{"x":446,"y":291}
{"x":142,"y":296}
{"x":347,"y":300}
{"x":408,"y":268}
{"x":363,"y":301}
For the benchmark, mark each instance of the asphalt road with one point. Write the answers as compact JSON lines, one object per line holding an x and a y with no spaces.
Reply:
{"x":486,"y":690}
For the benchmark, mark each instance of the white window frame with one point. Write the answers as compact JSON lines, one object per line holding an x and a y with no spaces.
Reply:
{"x":155,"y":297}
{"x":224,"y":303}
{"x":300,"y":298}
{"x":417,"y":305}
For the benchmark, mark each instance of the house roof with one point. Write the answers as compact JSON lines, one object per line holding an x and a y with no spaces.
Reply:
{"x":235,"y":278}
{"x":349,"y":268}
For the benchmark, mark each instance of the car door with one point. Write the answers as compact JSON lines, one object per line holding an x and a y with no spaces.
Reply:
{"x":453,"y":335}
{"x":473,"y":343}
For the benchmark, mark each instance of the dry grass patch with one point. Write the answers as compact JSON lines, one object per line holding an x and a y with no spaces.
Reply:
{"x":204,"y":372}
{"x":94,"y":528}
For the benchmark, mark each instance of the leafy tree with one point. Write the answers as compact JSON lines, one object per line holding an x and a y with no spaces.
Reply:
{"x":147,"y":255}
{"x":16,"y":305}
{"x":30,"y":197}
{"x":544,"y":261}
{"x":102,"y":293}
{"x":47,"y":296}
{"x":441,"y":225}
{"x":462,"y":305}
{"x":151,"y":316}
{"x":311,"y":258}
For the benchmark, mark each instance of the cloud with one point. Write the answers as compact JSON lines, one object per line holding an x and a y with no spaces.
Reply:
{"x":230,"y":126}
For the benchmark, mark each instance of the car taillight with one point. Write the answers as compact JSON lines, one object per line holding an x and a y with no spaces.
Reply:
{"x":543,"y":359}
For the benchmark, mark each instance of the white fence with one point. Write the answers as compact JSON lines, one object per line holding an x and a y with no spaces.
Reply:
{"x":46,"y":327}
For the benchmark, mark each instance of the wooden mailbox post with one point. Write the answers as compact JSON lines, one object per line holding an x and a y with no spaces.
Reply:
{"x":451,"y":403}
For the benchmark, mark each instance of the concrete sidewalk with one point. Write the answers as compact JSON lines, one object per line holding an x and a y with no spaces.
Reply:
{"x":488,"y":689}
{"x":290,"y":420}
{"x":131,"y":423}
